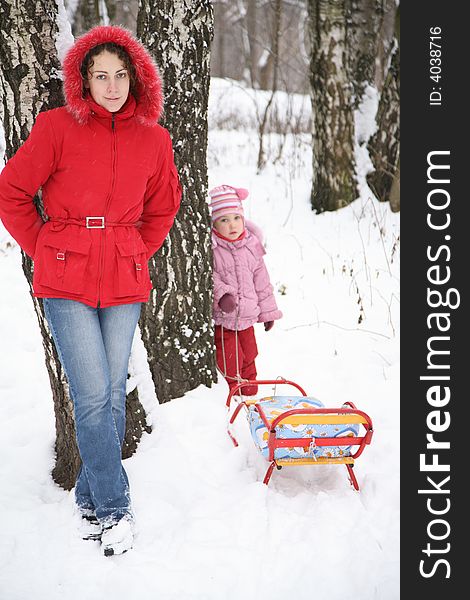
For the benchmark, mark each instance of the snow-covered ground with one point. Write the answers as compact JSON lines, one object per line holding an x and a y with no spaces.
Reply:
{"x":207,"y":528}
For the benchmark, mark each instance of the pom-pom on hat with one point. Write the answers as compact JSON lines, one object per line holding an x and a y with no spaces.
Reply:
{"x":226,"y":200}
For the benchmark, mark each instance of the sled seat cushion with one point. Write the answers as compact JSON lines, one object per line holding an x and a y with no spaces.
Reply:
{"x":300,"y":426}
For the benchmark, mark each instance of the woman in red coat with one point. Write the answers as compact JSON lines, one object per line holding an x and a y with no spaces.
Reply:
{"x":110,"y":191}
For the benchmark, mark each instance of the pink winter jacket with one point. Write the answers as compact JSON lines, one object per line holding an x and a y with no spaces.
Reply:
{"x":239,"y":270}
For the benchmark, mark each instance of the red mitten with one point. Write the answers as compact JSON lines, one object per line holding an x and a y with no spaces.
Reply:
{"x":227,"y":303}
{"x":268,"y":325}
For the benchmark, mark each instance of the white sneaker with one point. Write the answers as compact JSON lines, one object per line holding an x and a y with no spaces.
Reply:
{"x":90,"y":528}
{"x":118,"y":538}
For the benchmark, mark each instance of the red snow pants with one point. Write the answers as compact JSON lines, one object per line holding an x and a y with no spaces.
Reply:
{"x":226,"y":343}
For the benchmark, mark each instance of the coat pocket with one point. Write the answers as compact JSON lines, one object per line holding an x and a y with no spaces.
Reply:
{"x":61,"y":262}
{"x":132,"y":268}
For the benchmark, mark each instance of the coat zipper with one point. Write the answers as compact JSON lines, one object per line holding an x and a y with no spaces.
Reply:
{"x":108,"y":199}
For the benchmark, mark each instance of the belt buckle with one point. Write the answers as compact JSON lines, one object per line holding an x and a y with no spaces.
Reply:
{"x":91,"y":222}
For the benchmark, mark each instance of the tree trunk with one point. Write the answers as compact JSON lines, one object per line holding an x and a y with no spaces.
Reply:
{"x":254,"y":47}
{"x":30,"y":83}
{"x":28,"y":58}
{"x":351,"y":42}
{"x":384,"y":146}
{"x":274,"y":56}
{"x":386,"y":38}
{"x":333,"y":183}
{"x":87,"y":15}
{"x":176,"y":323}
{"x":220,"y":11}
{"x":369,"y":40}
{"x":123,"y":12}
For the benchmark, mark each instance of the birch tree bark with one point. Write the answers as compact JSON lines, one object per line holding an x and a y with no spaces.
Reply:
{"x":123,"y":12}
{"x":384,"y":146}
{"x":370,"y":25}
{"x":88,"y":14}
{"x":176,"y":323}
{"x":351,"y":43}
{"x":30,"y":83}
{"x":333,"y":184}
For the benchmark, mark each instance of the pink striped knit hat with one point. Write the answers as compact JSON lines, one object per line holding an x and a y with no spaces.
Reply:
{"x":225,"y":200}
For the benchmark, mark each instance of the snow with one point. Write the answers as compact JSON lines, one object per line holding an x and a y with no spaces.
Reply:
{"x":206,"y":526}
{"x":64,"y":39}
{"x":103,"y":11}
{"x":71,"y":8}
{"x":235,"y":106}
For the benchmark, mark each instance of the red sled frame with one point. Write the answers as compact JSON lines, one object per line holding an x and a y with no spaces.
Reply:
{"x":310,"y":416}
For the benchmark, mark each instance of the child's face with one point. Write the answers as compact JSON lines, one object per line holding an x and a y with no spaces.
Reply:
{"x":230,"y":226}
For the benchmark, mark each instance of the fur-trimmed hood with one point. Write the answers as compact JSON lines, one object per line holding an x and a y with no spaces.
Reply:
{"x":149,"y":94}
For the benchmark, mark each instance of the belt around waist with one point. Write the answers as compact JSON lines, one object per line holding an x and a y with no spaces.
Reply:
{"x":91,"y":222}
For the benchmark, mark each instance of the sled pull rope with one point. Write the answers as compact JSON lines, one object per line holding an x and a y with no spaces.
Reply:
{"x":278,"y":378}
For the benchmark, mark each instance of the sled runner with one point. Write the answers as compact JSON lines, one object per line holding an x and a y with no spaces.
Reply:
{"x":299,"y":430}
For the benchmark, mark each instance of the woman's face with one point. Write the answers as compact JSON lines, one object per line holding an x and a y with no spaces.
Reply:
{"x":108,"y":81}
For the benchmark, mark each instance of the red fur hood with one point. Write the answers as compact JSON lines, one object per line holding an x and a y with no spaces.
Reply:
{"x":149,"y":85}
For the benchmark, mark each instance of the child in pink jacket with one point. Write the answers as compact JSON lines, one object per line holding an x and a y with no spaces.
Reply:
{"x":243,"y":294}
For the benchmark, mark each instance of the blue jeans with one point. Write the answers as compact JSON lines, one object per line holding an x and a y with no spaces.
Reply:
{"x":94,"y":346}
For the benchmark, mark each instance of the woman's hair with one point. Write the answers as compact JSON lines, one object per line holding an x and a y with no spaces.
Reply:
{"x":113,"y":49}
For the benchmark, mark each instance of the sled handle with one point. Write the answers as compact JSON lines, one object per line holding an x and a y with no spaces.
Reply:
{"x":263,"y":382}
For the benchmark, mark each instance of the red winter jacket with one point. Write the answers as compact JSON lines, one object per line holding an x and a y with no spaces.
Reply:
{"x":109,"y":186}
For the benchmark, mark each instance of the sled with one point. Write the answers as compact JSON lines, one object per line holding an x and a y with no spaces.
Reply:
{"x":299,"y":430}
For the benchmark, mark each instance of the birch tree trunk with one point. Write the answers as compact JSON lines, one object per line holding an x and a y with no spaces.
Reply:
{"x":351,"y":43}
{"x":333,"y":184}
{"x":253,"y":50}
{"x":30,"y":83}
{"x":176,"y":323}
{"x":274,"y":55}
{"x":384,"y":146}
{"x":123,"y":12}
{"x":88,"y":14}
{"x":370,"y":25}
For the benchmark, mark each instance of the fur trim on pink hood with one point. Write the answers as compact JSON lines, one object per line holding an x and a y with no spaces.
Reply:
{"x":148,"y":87}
